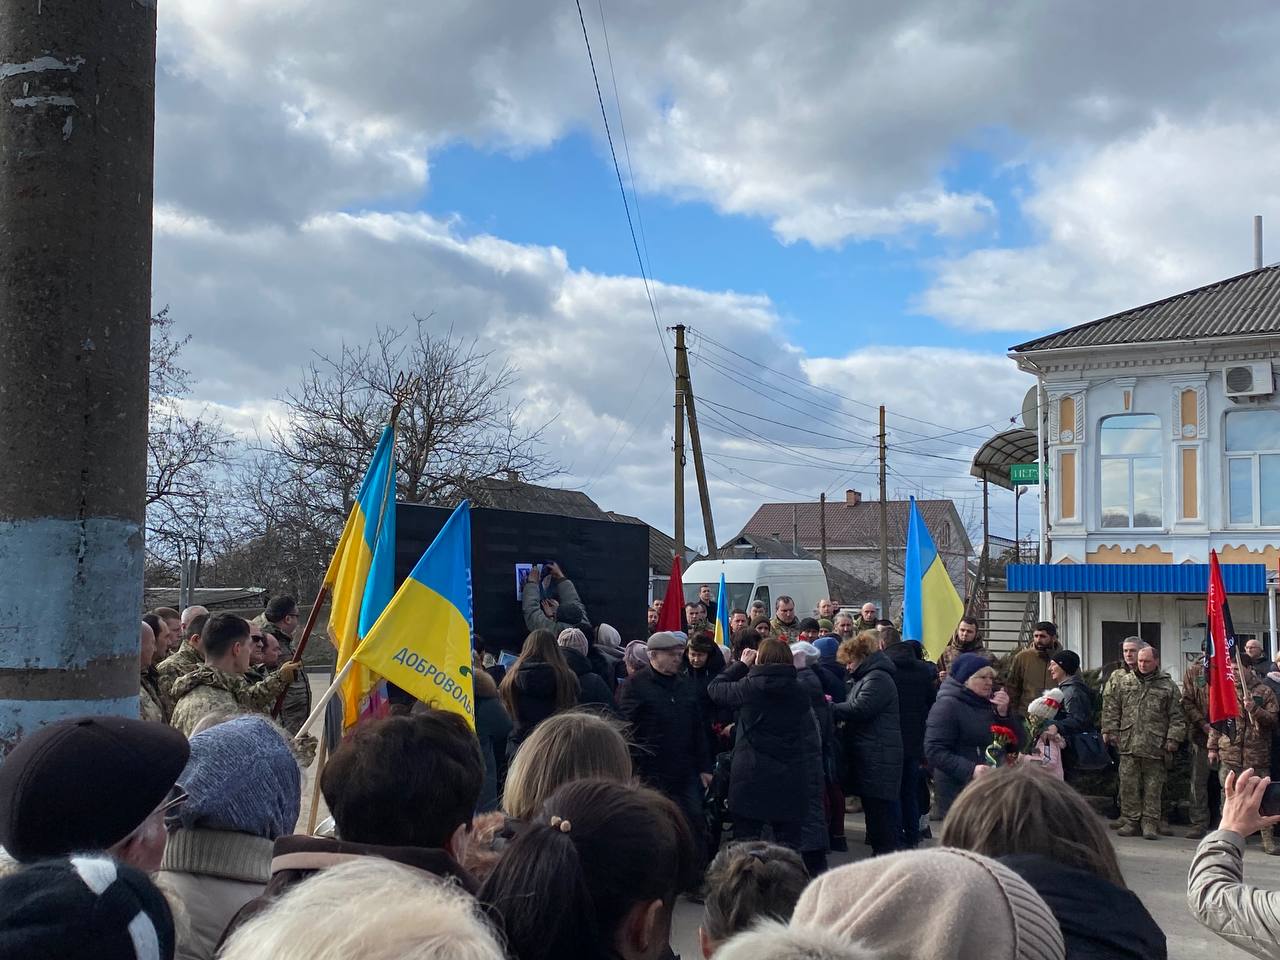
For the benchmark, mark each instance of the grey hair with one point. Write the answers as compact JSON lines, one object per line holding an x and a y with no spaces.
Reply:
{"x":775,"y":941}
{"x":843,"y":615}
{"x":369,"y":908}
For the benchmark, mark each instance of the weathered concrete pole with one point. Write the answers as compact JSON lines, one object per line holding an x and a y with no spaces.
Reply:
{"x":77,"y":119}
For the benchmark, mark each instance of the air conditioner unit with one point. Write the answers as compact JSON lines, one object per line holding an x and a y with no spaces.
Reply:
{"x":1249,"y":380}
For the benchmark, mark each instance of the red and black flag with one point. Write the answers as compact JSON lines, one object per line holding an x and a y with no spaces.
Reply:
{"x":1220,"y":655}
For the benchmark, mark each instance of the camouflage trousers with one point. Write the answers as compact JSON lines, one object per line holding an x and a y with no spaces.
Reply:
{"x":1268,"y":833}
{"x":1199,"y":785}
{"x":1141,"y":788}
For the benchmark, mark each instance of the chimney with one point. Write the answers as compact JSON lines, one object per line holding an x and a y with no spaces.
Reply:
{"x":513,"y":476}
{"x":852,"y":498}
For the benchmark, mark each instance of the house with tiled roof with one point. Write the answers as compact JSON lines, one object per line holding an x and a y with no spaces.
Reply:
{"x":853,"y":537}
{"x":1159,"y":441}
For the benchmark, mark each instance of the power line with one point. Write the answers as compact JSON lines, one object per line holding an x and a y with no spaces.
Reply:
{"x":657,"y":324}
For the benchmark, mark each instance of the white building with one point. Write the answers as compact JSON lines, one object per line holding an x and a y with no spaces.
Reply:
{"x":1161,"y":441}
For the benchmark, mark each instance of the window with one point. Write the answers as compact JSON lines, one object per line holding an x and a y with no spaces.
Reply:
{"x":1253,"y":467}
{"x":1132,"y":479}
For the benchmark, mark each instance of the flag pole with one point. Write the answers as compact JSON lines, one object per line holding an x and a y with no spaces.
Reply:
{"x":322,"y":754}
{"x":302,"y":643}
{"x":318,"y":711}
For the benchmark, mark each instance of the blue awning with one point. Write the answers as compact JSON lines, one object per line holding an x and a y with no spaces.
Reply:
{"x":1187,"y":578}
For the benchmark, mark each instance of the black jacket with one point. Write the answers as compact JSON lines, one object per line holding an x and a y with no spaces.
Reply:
{"x":534,"y":698}
{"x":1076,"y":713}
{"x":711,"y":714}
{"x":608,"y":666}
{"x":917,"y":683}
{"x":493,"y":728}
{"x":777,"y":752}
{"x":957,"y":734}
{"x":1099,"y":920}
{"x":593,"y":691}
{"x":873,"y":732}
{"x":668,"y":745}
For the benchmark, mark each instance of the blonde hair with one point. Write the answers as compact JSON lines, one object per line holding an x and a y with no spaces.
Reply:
{"x":859,"y":647}
{"x":568,"y":746}
{"x":370,"y":908}
{"x":775,"y":941}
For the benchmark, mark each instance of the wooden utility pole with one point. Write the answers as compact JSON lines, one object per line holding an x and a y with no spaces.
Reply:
{"x":884,"y":528}
{"x":77,"y":118}
{"x":685,"y":382}
{"x":822,"y":528}
{"x":679,"y":465}
{"x":795,"y":530}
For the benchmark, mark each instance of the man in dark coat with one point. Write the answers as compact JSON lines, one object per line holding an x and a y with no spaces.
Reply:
{"x":917,"y":686}
{"x":873,"y":736}
{"x":704,"y":660}
{"x":669,"y":747}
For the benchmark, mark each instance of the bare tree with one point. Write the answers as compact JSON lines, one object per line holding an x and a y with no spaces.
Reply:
{"x":187,"y":454}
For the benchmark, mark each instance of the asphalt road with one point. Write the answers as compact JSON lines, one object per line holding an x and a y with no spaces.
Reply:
{"x":1155,"y":871}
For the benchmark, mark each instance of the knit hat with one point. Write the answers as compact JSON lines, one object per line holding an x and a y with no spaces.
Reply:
{"x":637,"y":653}
{"x":827,"y":647}
{"x":607,"y":636}
{"x":85,"y":784}
{"x":242,"y":777}
{"x":805,"y":654}
{"x":966,"y":665}
{"x":977,"y":908}
{"x":1068,"y":660}
{"x":666,"y":640}
{"x":85,"y":908}
{"x":825,"y":624}
{"x":573,"y":639}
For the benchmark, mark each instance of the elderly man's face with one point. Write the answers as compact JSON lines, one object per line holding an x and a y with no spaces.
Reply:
{"x":869,"y":613}
{"x":1148,"y":662}
{"x":1253,"y":649}
{"x":666,"y":662}
{"x":844,"y":627}
{"x":270,"y":651}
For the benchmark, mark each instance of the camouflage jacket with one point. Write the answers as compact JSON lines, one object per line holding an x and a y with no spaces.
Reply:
{"x":208,"y":689}
{"x":297,"y":698}
{"x":953,"y":650}
{"x":177,"y":664}
{"x":1259,"y":715}
{"x":792,"y":629}
{"x":1195,"y":702}
{"x":150,"y":704}
{"x":1143,"y":713}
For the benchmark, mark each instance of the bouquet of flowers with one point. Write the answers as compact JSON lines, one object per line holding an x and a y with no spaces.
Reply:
{"x":1040,"y":715}
{"x":1003,"y":741}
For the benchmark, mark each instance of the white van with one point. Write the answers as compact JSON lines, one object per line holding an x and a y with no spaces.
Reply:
{"x":804,"y":581}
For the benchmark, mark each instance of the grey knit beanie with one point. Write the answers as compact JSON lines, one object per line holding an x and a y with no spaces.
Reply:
{"x":241,"y":777}
{"x":978,"y":908}
{"x":573,"y":639}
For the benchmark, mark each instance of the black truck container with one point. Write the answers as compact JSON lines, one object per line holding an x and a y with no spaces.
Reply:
{"x":608,"y":561}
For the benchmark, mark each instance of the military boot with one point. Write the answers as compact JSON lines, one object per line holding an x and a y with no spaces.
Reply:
{"x":1128,"y":830}
{"x":1150,"y":831}
{"x":1269,"y":841}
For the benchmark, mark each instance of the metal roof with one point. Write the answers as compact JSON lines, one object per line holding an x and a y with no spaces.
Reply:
{"x":997,"y":455}
{"x":857,"y":524}
{"x":1247,"y":305}
{"x":1186,"y":578}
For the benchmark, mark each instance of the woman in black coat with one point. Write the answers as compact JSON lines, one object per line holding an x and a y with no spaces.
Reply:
{"x":539,"y":684}
{"x":704,"y":661}
{"x":777,"y":754}
{"x":959,"y":728}
{"x":873,"y":737}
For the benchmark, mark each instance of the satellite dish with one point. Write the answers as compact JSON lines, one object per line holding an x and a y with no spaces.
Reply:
{"x":1029,"y":409}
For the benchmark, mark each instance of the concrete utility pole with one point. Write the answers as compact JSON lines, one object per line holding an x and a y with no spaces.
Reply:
{"x":884,"y":527}
{"x":679,"y":470}
{"x":822,"y":528}
{"x":685,"y":383}
{"x":77,"y":118}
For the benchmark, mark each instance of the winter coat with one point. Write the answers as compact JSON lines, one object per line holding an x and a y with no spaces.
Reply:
{"x":607,"y":663}
{"x":1195,"y":702}
{"x":668,"y":746}
{"x":814,"y":837}
{"x":298,"y":857}
{"x":1076,"y":713}
{"x":1099,"y":920}
{"x":1144,"y":713}
{"x":1260,"y":709}
{"x":777,"y":750}
{"x":535,"y":619}
{"x":214,"y":874}
{"x":208,"y":689}
{"x":297,"y":698}
{"x":534,"y":697}
{"x":917,"y":683}
{"x":712,"y":716}
{"x":873,"y":730}
{"x":592,"y":690}
{"x":792,"y":629}
{"x":957,"y":734}
{"x":1028,"y":677}
{"x":953,"y":650}
{"x":493,"y":728}
{"x":1244,"y":916}
{"x":151,"y":706}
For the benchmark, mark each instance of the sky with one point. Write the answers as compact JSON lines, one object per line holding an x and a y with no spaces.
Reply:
{"x":847,"y":204}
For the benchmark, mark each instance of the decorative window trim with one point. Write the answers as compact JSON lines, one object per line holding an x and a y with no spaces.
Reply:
{"x":1200,"y":386}
{"x":1055,"y":397}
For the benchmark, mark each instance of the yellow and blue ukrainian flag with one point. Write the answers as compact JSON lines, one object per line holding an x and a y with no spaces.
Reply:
{"x":722,"y":616}
{"x":422,"y":641}
{"x":361,"y":575}
{"x":931,"y":608}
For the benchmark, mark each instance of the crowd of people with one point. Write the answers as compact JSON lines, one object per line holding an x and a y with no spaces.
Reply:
{"x":604,"y":780}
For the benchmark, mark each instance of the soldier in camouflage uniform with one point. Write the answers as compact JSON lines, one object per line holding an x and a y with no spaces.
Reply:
{"x":149,"y":707}
{"x":1259,"y":713}
{"x":1195,"y":705}
{"x":219,"y":683}
{"x":1143,"y":718}
{"x":187,"y":658}
{"x":280,"y":619}
{"x":966,"y":638}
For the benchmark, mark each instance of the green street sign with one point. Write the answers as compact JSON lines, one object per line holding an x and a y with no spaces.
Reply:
{"x":1024,"y":473}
